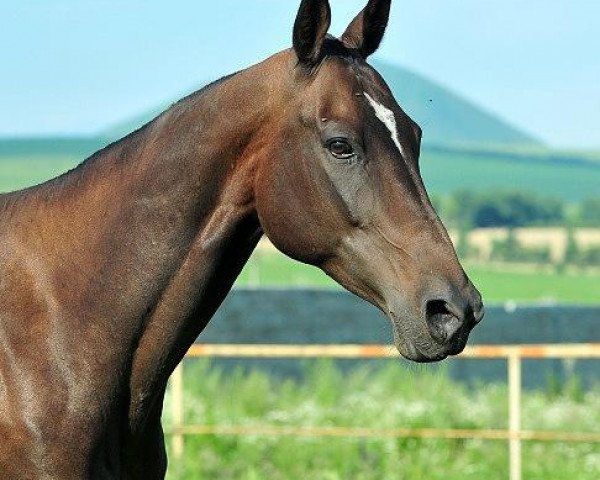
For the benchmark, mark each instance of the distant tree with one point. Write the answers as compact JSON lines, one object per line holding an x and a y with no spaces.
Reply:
{"x":507,"y":209}
{"x":463,"y":206}
{"x":572,"y":253}
{"x":507,"y":249}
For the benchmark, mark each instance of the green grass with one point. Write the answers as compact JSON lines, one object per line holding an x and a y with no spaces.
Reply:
{"x":445,"y":173}
{"x":497,"y":284}
{"x":20,"y":171}
{"x":382,"y":397}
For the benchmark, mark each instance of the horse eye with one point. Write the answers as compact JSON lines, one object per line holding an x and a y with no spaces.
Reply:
{"x":340,"y":148}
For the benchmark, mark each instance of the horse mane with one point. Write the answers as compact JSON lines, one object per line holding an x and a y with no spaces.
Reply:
{"x":332,"y":48}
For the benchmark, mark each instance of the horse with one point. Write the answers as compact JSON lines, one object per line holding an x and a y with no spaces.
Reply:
{"x":109,"y":272}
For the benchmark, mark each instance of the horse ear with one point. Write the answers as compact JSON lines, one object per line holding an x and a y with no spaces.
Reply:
{"x":366,"y":31}
{"x":310,"y":29}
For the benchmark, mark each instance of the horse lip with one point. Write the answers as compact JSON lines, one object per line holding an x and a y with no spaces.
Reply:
{"x":422,"y":358}
{"x":409,"y":350}
{"x":460,"y":342}
{"x":414,"y":354}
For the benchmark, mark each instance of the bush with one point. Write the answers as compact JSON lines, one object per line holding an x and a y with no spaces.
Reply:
{"x":590,"y":257}
{"x":506,"y":209}
{"x":572,"y":252}
{"x":390,"y":395}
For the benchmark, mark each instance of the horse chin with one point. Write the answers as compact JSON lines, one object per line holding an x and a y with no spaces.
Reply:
{"x":421,"y":351}
{"x":416,"y":344}
{"x":412,"y":353}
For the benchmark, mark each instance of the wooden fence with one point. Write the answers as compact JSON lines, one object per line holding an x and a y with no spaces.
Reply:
{"x":513,"y":354}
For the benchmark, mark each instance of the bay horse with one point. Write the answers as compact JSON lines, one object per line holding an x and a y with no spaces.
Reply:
{"x":109,"y":272}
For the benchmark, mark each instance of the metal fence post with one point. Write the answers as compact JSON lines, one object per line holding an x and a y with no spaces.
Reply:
{"x":177,"y":411}
{"x":514,"y":414}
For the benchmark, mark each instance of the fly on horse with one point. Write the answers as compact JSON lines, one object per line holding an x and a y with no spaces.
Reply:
{"x":109,"y":272}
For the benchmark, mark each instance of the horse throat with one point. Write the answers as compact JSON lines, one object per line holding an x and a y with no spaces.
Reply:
{"x":218,"y":237}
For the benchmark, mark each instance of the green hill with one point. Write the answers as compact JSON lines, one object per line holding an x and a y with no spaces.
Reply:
{"x":445,"y":170}
{"x":550,"y":174}
{"x":34,"y":146}
{"x":129,"y":125}
{"x":446,"y":117}
{"x":465,"y":147}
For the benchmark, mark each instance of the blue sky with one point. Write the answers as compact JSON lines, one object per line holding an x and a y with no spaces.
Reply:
{"x":78,"y":66}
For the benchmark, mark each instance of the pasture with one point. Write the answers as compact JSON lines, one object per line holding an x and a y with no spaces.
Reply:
{"x":19,"y":170}
{"x":445,"y":172}
{"x":498,"y":283}
{"x":574,"y":177}
{"x":394,"y":395}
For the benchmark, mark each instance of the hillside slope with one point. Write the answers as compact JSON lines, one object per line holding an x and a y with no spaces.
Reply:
{"x":464,"y":147}
{"x":446,"y":117}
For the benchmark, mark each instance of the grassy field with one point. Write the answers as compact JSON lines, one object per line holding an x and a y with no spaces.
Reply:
{"x":443,"y":172}
{"x":20,"y":171}
{"x":497,"y":283}
{"x":384,"y":397}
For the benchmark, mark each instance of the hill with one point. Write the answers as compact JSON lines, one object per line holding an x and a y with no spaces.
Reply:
{"x":447,"y":118}
{"x":567,"y":176}
{"x":464,"y":147}
{"x":552,"y":174}
{"x":70,"y":146}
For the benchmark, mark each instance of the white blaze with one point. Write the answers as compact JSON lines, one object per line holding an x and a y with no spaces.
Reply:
{"x":387,"y":118}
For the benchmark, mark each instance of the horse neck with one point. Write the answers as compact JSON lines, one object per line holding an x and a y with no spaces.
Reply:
{"x":238,"y":110}
{"x":147,"y":240}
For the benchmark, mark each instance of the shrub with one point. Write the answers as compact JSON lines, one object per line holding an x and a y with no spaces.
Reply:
{"x":590,"y":257}
{"x":507,"y":209}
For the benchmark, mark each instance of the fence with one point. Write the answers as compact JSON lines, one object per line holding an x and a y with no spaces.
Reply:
{"x":513,"y":354}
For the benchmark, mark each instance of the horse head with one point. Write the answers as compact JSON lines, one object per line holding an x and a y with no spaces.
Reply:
{"x":340,"y":188}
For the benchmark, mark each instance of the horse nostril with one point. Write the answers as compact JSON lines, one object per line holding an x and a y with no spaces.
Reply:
{"x":479,"y":313}
{"x":442,"y":321}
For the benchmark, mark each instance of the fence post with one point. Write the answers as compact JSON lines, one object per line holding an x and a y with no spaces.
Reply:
{"x":514,"y":414}
{"x":177,"y":411}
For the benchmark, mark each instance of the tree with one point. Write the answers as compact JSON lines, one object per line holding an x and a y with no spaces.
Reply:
{"x":507,"y":209}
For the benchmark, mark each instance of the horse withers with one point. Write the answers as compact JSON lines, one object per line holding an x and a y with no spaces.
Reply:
{"x":109,"y":272}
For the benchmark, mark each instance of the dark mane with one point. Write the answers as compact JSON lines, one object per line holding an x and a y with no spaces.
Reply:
{"x":332,"y":48}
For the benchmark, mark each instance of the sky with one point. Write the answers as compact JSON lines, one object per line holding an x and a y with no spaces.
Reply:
{"x":79,"y":66}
